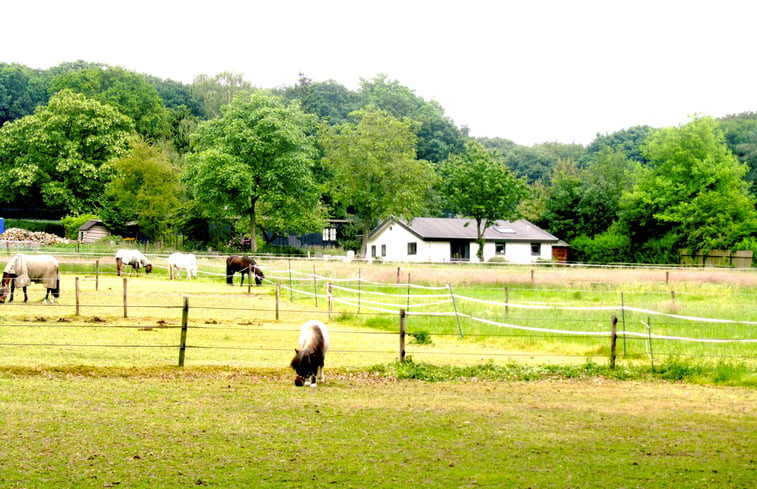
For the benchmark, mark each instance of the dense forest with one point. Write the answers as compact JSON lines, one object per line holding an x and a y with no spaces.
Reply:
{"x":220,"y":158}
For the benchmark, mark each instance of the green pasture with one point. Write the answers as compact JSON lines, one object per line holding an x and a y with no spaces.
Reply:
{"x":96,"y":399}
{"x":230,"y":427}
{"x":565,"y":322}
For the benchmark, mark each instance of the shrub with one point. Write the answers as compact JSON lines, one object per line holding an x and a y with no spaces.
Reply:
{"x":73,"y":223}
{"x":50,"y":227}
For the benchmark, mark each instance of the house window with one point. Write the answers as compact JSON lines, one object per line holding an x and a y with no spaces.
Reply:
{"x":329,"y":234}
{"x":535,"y":249}
{"x":383,"y":250}
{"x":412,"y":248}
{"x":499,"y":248}
{"x":373,"y":251}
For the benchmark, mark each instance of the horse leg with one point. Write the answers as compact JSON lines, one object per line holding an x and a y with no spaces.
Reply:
{"x":13,"y":288}
{"x":241,"y":282}
{"x":26,"y":297}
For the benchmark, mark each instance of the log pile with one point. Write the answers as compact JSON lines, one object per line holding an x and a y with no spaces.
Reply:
{"x":44,"y":239}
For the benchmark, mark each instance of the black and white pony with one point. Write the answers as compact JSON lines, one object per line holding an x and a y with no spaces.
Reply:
{"x":134,"y":258}
{"x":21,"y":270}
{"x":181,"y":261}
{"x":245,"y":266}
{"x":309,"y":357}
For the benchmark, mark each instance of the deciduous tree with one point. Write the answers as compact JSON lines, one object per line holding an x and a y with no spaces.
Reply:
{"x":257,"y":161}
{"x":479,"y":185}
{"x":375,"y":167}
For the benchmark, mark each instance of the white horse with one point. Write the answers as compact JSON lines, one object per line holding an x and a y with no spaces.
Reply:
{"x":309,"y":357}
{"x":135,"y":258}
{"x":181,"y":261}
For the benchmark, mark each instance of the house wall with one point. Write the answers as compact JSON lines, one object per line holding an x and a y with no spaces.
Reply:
{"x":396,"y":239}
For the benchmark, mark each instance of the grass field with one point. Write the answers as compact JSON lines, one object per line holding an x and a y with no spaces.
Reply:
{"x":96,"y":400}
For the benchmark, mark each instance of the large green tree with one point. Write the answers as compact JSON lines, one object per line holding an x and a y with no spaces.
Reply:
{"x":478,"y":184}
{"x":376,"y":172}
{"x":693,"y":190}
{"x":58,"y":157}
{"x":131,"y":93}
{"x":256,"y":162}
{"x":218,"y":90}
{"x":21,"y":91}
{"x":145,"y":188}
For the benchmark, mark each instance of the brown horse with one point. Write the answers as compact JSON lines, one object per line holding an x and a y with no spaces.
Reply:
{"x":24,"y":269}
{"x":244,"y":265}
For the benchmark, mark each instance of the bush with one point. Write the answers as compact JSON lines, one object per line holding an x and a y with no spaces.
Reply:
{"x":602,"y":248}
{"x":50,"y":227}
{"x":73,"y":223}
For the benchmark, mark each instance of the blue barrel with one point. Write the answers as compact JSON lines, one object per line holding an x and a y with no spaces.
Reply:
{"x":2,"y":224}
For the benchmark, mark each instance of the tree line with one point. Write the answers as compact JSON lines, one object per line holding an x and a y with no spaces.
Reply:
{"x":220,"y":158}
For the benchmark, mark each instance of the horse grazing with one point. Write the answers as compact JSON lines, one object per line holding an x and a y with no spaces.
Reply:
{"x":309,"y":357}
{"x":243,"y":265}
{"x":135,"y":258}
{"x":181,"y":261}
{"x":21,"y":270}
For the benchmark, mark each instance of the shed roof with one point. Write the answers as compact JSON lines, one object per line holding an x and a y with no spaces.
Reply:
{"x":91,"y":223}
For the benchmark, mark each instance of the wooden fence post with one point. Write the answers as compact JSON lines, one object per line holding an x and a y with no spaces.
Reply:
{"x":183,"y":341}
{"x":125,"y":308}
{"x":613,"y":341}
{"x":97,"y":274}
{"x":77,"y":296}
{"x":329,"y":295}
{"x":278,"y":295}
{"x":457,"y":316}
{"x":402,"y":335}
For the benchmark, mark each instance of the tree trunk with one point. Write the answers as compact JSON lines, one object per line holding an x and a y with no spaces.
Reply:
{"x":480,"y":241}
{"x":253,"y":237}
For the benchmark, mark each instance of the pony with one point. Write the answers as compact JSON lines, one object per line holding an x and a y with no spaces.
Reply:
{"x":309,"y":357}
{"x":243,"y":265}
{"x":24,"y":269}
{"x":179,"y":261}
{"x":135,"y":258}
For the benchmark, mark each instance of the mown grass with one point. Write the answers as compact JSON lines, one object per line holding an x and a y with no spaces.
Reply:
{"x":225,"y":427}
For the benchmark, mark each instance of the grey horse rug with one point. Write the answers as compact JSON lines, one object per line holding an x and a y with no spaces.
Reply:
{"x":33,"y":268}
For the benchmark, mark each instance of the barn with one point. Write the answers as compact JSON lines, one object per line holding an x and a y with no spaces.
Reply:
{"x":91,"y":231}
{"x":430,"y":239}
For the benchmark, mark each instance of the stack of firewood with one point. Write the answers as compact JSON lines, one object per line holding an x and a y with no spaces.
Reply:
{"x":45,"y":239}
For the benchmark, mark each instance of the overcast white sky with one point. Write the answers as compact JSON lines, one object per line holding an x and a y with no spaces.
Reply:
{"x":530,"y":71}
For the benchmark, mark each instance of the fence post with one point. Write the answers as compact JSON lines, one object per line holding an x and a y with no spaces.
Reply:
{"x":291,"y":286}
{"x":97,"y":274}
{"x":249,"y":280}
{"x":613,"y":341}
{"x":315,"y":288}
{"x":507,"y":300}
{"x":125,"y":308}
{"x":77,"y":296}
{"x":532,"y":276}
{"x":183,"y":341}
{"x":649,"y":340}
{"x":328,"y":294}
{"x":673,"y":297}
{"x":402,"y":335}
{"x":398,"y":274}
{"x":278,"y":294}
{"x":457,"y":316}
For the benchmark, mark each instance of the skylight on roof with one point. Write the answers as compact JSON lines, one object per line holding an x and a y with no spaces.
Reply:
{"x":505,"y":230}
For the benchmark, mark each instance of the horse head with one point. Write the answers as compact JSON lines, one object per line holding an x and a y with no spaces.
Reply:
{"x":4,"y":286}
{"x":148,"y":268}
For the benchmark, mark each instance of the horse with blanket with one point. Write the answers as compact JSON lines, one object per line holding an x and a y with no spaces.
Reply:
{"x":22,"y":269}
{"x":135,"y":259}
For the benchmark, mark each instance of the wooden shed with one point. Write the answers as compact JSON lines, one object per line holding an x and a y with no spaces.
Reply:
{"x":91,"y":231}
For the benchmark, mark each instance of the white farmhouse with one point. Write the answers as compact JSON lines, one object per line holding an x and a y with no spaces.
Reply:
{"x":431,"y":239}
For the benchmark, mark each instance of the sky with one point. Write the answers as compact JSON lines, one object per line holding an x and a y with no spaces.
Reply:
{"x":530,"y":71}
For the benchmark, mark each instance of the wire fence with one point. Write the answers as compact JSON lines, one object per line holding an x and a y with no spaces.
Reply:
{"x":396,"y":319}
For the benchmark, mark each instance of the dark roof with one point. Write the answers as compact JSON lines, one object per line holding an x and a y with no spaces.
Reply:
{"x":91,"y":223}
{"x":438,"y":228}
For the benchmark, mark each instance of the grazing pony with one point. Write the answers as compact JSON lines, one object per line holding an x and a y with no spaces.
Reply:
{"x":135,"y":258}
{"x":243,"y":265}
{"x":181,"y":261}
{"x":21,"y":270}
{"x":309,"y":357}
